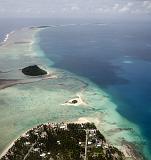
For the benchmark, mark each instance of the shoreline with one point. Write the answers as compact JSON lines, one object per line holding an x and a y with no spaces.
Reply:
{"x":127,"y":149}
{"x":5,"y":83}
{"x":42,"y":131}
{"x":36,"y":53}
{"x":10,"y":83}
{"x":6,"y":37}
{"x":77,"y":101}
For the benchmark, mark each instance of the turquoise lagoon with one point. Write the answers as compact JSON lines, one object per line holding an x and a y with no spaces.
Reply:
{"x":25,"y":105}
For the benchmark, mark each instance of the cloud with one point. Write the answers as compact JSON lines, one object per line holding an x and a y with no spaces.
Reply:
{"x":147,"y":5}
{"x":129,"y":4}
{"x":116,"y":7}
{"x":83,"y":8}
{"x":124,"y":9}
{"x":75,"y":8}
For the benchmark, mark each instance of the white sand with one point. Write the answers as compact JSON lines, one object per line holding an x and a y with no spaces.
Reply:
{"x":39,"y":102}
{"x":78,"y":98}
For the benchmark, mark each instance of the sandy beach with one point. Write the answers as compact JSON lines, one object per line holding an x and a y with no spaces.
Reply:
{"x":8,"y":79}
{"x":77,"y":101}
{"x":42,"y":99}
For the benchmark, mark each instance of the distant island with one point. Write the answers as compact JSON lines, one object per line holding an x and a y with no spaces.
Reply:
{"x":34,"y":71}
{"x":39,"y":27}
{"x":63,"y":141}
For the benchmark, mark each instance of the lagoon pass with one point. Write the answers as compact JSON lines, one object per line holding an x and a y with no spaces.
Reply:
{"x":27,"y":101}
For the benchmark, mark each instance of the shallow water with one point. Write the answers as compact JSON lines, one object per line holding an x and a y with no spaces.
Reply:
{"x":114,"y":56}
{"x":27,"y":105}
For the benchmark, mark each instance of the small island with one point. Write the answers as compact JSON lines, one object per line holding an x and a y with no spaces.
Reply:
{"x":34,"y":71}
{"x":76,"y":101}
{"x":63,"y":141}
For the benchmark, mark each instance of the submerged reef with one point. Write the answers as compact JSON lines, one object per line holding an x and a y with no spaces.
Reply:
{"x":33,"y":71}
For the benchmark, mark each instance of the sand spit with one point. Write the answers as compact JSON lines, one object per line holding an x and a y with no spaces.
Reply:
{"x":18,"y":51}
{"x":87,"y":120}
{"x":76,"y":101}
{"x":23,"y":79}
{"x":4,"y":83}
{"x":40,"y":102}
{"x":127,"y":148}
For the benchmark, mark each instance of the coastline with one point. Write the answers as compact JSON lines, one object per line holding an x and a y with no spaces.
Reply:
{"x":88,"y":94}
{"x":23,"y":79}
{"x":6,"y":37}
{"x":127,"y":149}
{"x":41,"y":132}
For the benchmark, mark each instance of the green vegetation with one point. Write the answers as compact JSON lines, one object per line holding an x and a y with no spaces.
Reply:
{"x":33,"y":71}
{"x":63,"y":142}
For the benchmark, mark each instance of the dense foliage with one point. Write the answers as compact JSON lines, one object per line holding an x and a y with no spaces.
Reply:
{"x":63,"y":142}
{"x":33,"y":71}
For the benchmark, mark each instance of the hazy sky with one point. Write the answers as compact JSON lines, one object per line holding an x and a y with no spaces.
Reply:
{"x":73,"y":8}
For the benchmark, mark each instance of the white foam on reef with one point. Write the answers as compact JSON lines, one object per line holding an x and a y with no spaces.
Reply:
{"x":26,"y":105}
{"x":6,"y":37}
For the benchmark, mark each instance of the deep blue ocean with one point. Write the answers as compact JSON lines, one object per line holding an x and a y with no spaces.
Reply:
{"x":115,"y":55}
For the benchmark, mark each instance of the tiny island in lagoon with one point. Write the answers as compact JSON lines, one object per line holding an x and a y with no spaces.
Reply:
{"x":43,"y":93}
